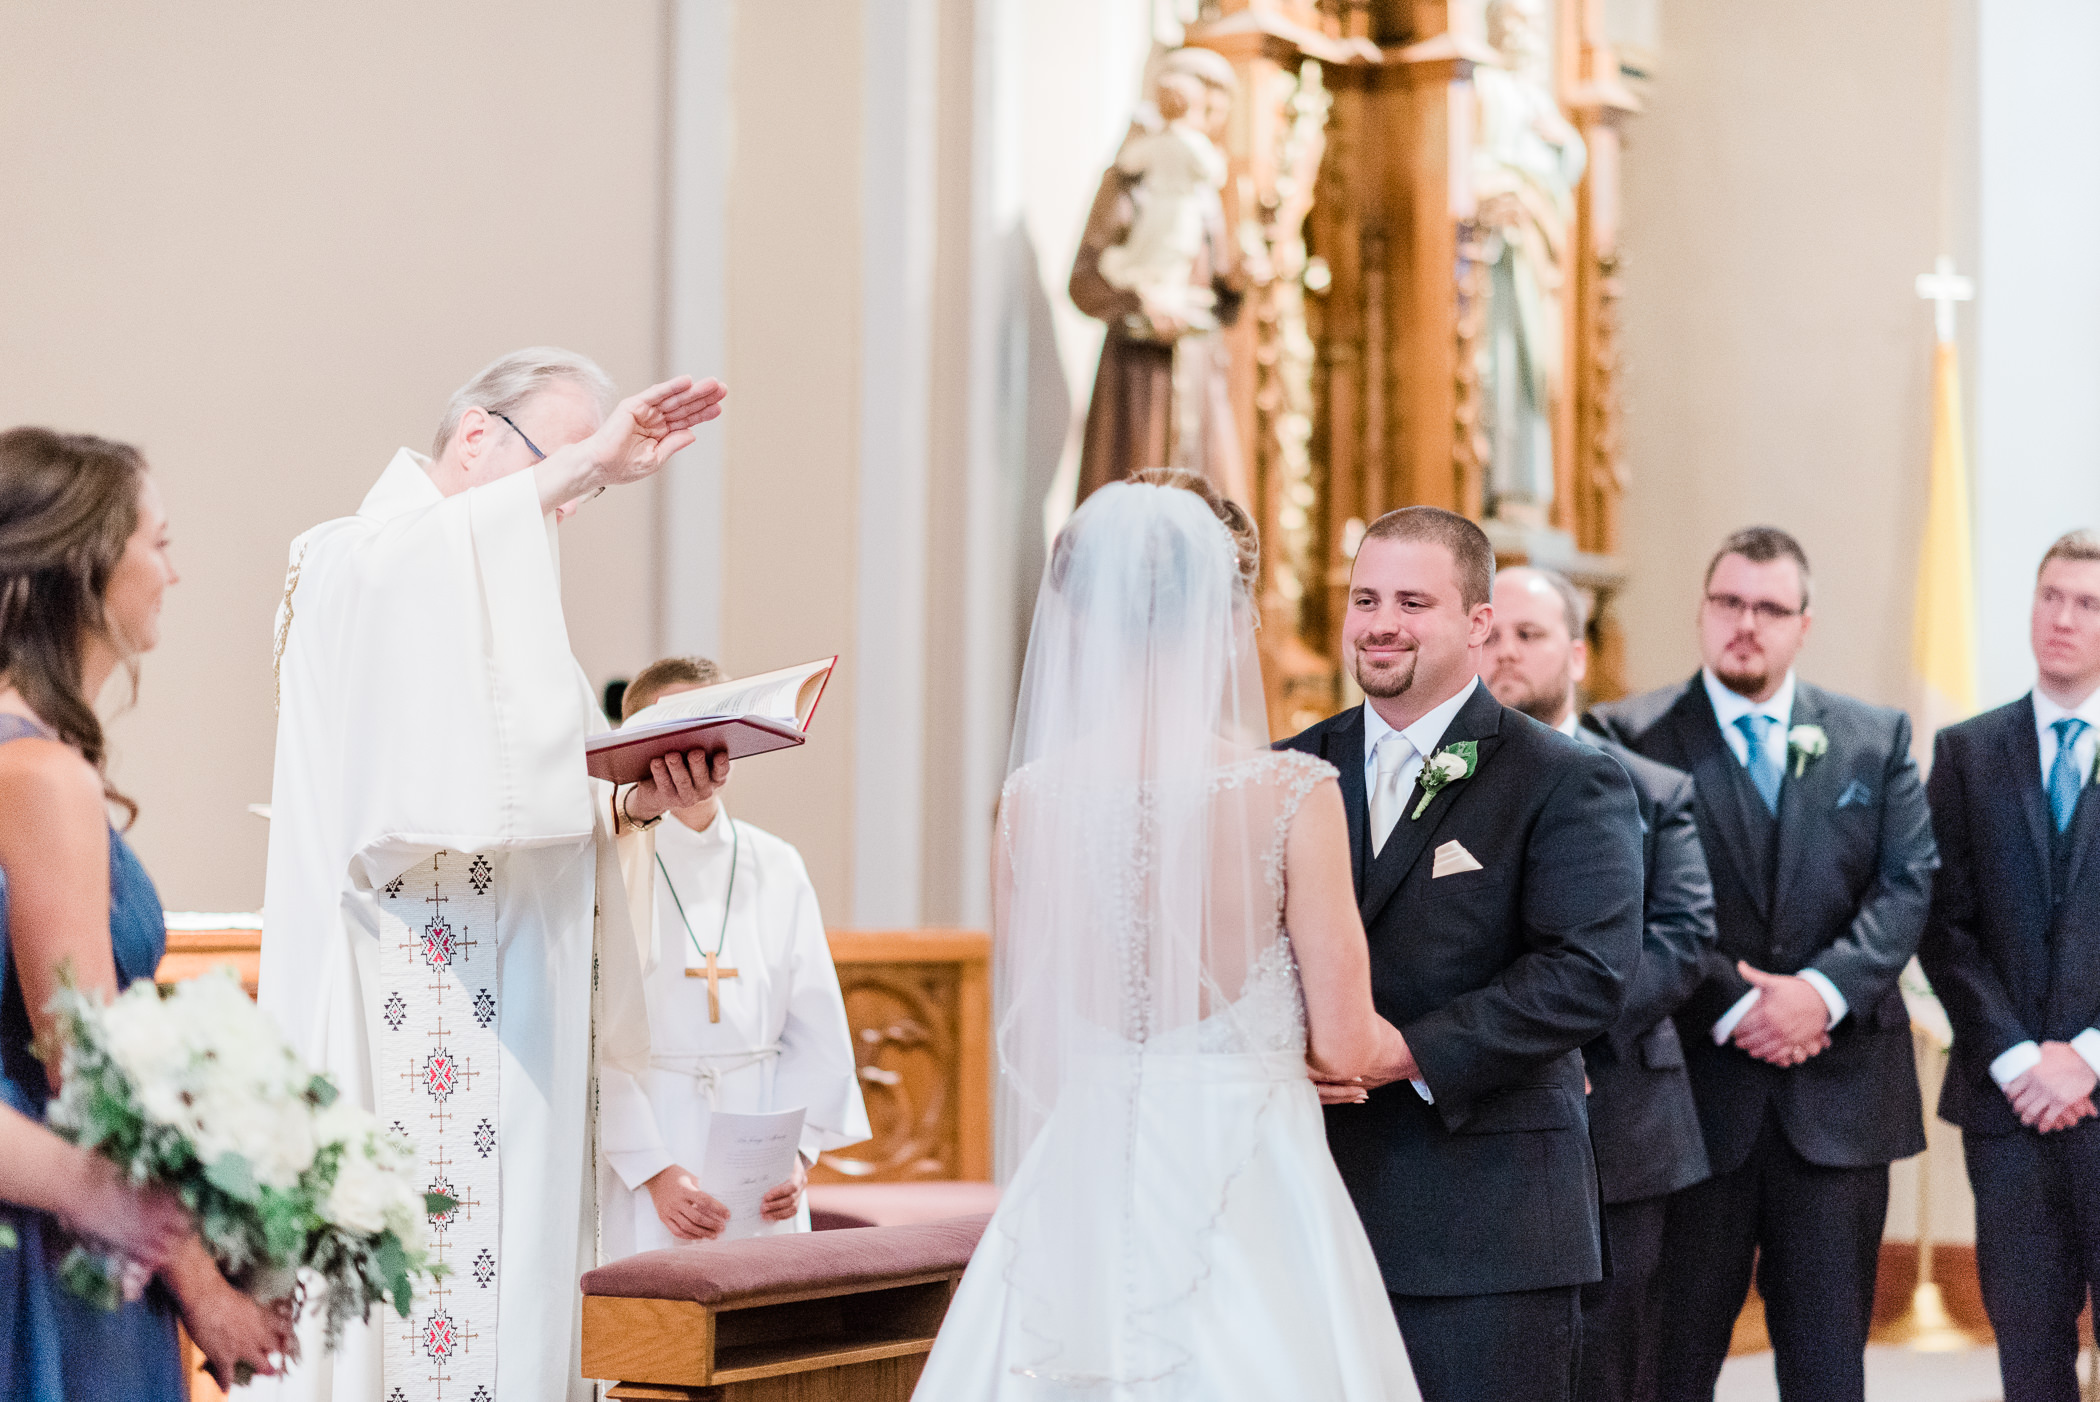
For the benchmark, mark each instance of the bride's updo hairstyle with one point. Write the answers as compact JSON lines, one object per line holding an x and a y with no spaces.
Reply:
{"x":1246,"y":540}
{"x":1168,"y":560}
{"x":69,"y":503}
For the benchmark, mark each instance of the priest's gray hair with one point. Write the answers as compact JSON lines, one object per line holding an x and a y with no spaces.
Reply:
{"x":504,"y":386}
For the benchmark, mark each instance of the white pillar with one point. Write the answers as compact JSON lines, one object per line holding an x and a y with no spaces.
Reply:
{"x":690,"y":540}
{"x":896,"y":246}
{"x":2038,"y":304}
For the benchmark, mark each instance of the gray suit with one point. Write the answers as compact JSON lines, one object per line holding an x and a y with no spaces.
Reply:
{"x":1643,"y":1120}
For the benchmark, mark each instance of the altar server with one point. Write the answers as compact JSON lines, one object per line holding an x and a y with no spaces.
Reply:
{"x":766,"y":1032}
{"x":445,"y":921}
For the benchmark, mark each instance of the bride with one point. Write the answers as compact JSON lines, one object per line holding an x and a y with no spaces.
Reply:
{"x":1177,"y":939}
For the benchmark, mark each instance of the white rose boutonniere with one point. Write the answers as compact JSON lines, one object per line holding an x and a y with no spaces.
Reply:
{"x":1804,"y":743}
{"x":1452,"y":763}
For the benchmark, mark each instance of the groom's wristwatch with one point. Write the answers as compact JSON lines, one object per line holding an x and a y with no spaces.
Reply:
{"x":633,"y":822}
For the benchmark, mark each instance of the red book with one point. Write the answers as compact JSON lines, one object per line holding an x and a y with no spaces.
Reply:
{"x":748,"y":716}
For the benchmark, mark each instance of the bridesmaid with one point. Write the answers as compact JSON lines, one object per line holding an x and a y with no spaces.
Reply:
{"x":83,"y":565}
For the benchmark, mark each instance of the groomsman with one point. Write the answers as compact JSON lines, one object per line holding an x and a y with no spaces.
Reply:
{"x":1642,"y":1119}
{"x":1498,"y":871}
{"x":1820,"y":847}
{"x":2013,"y":948}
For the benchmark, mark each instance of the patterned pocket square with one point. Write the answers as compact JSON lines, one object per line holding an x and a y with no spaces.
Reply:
{"x":1452,"y":858}
{"x":1855,"y":792}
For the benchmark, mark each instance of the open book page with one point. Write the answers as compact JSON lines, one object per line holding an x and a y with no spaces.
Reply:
{"x":747,"y":1157}
{"x":749,"y":716}
{"x":786,"y":696}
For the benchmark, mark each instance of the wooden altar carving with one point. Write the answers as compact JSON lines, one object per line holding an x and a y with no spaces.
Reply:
{"x":920,"y":1006}
{"x":1357,"y":377}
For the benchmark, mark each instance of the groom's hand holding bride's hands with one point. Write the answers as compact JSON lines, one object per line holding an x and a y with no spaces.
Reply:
{"x":1398,"y":1065}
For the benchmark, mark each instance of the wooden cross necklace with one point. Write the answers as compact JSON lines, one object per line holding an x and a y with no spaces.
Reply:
{"x":714,"y":973}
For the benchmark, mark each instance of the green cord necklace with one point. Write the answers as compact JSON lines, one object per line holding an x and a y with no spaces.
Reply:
{"x":714,"y":972}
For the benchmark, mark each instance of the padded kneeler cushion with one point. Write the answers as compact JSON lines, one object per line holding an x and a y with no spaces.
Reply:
{"x":857,"y":1258}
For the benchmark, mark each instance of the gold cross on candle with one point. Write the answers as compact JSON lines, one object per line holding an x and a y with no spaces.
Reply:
{"x":714,"y":974}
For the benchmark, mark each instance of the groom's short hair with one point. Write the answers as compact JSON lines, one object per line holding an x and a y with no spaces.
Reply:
{"x":1468,"y":544}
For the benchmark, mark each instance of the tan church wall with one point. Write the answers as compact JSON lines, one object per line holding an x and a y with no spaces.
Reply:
{"x":791,"y":444}
{"x":1784,"y":187}
{"x":266,"y":242}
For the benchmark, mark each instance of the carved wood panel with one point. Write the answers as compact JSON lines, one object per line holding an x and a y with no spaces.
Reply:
{"x":919,"y":1004}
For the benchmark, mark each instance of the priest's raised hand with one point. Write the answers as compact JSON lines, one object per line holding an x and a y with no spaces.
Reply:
{"x":640,"y":435}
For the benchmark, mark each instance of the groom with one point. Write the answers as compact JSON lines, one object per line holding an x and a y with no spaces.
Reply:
{"x":1498,"y":871}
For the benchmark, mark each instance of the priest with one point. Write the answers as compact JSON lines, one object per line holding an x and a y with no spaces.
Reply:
{"x":446,"y":924}
{"x":745,"y":1013}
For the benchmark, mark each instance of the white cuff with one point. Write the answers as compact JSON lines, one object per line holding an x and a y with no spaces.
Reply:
{"x":2087,"y":1045}
{"x":1422,"y":1089}
{"x":1725,"y":1028}
{"x":2017,"y":1060}
{"x":1832,"y":999}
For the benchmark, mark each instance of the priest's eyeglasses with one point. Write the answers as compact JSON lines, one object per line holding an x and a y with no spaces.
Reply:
{"x":1764,"y":611}
{"x":537,"y":455}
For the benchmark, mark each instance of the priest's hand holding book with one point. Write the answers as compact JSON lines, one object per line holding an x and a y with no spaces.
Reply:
{"x":676,"y":781}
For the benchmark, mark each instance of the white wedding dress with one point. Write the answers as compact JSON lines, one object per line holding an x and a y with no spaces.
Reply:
{"x":1177,"y":1231}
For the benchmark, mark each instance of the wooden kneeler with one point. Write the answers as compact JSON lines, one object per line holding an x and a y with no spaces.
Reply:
{"x":847,"y":1314}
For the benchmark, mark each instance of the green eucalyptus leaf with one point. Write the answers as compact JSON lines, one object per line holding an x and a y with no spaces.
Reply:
{"x":92,"y":1278}
{"x":231,"y":1175}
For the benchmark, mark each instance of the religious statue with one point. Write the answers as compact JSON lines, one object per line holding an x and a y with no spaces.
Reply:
{"x":1158,"y":265}
{"x":1525,"y":169}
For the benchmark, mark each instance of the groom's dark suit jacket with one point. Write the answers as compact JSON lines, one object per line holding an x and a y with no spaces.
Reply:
{"x":1643,"y":1121}
{"x":1497,"y":978}
{"x":1838,"y":882}
{"x":2012,"y":945}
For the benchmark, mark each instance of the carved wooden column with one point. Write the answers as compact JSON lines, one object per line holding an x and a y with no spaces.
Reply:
{"x":1599,"y":104}
{"x":1286,"y":53}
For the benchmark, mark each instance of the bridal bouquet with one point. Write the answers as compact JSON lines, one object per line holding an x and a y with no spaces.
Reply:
{"x":192,"y":1087}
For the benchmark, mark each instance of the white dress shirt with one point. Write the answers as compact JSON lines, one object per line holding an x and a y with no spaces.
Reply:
{"x":2021,"y":1057}
{"x":1729,"y":707}
{"x":1423,"y":736}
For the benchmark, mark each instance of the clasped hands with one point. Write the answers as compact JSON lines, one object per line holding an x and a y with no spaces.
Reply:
{"x":1789,"y":1022}
{"x":691,"y":1213}
{"x":2056,"y":1092}
{"x":1355,"y":1090}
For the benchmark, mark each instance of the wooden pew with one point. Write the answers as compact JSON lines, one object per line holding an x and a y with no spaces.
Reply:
{"x":813,"y":1317}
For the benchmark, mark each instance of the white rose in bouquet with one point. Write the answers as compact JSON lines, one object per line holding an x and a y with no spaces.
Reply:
{"x":194,"y":1088}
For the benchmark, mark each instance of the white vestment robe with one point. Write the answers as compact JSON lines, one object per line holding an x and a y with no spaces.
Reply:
{"x":783,"y":1041}
{"x":429,"y":707}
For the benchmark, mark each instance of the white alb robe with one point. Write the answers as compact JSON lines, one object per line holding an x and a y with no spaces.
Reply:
{"x":429,"y":704}
{"x":783,"y":1040}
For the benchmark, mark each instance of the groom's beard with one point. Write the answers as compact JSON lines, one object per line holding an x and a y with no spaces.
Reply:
{"x":1383,"y":683}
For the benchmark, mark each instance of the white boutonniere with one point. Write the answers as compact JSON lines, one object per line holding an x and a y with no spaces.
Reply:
{"x":1804,"y":743}
{"x":1452,"y":763}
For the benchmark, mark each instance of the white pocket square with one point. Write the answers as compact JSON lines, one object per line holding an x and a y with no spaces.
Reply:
{"x":1453,"y":857}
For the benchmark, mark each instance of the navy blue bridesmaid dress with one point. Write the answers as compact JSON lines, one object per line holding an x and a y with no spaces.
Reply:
{"x":55,"y":1347}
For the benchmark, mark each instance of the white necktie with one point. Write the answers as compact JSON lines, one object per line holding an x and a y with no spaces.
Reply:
{"x":1387,"y":797}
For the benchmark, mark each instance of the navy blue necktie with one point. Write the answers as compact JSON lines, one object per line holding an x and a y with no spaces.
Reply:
{"x":2066,"y":778}
{"x":1767,"y":765}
